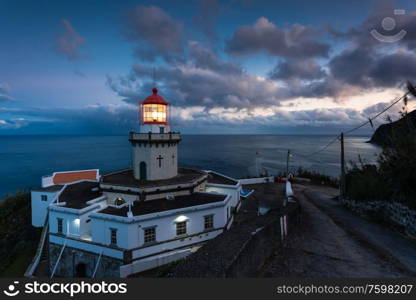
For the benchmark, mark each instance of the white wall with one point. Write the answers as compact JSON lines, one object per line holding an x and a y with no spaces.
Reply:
{"x":39,"y":207}
{"x":47,"y":181}
{"x":74,"y":220}
{"x":149,"y":154}
{"x":131,"y":235}
{"x":69,"y":224}
{"x":233,"y":191}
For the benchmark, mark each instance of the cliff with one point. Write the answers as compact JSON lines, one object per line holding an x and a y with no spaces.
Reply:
{"x":384,"y":133}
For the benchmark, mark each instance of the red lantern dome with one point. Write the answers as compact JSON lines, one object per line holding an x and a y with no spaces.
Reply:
{"x":155,"y":99}
{"x":154,"y":109}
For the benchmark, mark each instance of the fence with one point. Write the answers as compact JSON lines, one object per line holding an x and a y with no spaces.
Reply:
{"x":393,"y":212}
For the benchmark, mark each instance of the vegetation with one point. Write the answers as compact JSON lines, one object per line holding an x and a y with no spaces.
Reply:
{"x":393,"y":179}
{"x":317,"y":178}
{"x":18,"y":238}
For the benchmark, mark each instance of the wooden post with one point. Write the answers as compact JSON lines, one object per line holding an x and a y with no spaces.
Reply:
{"x":342,"y":177}
{"x":287,"y":163}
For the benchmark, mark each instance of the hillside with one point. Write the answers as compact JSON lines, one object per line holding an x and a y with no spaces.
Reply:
{"x":383,"y":135}
{"x":18,"y":238}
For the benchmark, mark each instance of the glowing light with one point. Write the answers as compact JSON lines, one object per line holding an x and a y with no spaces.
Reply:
{"x":76,"y":222}
{"x":181,"y":219}
{"x":154,"y":113}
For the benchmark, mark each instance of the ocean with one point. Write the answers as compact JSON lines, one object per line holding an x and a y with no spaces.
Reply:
{"x":24,"y":159}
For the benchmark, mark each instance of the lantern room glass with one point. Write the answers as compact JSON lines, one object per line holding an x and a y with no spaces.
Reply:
{"x":154,"y":113}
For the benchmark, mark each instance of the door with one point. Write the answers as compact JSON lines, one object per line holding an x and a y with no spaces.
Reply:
{"x":81,"y":270}
{"x":143,"y":173}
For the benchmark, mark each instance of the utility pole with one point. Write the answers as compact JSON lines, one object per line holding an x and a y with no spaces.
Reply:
{"x":342,"y":177}
{"x":287,"y":163}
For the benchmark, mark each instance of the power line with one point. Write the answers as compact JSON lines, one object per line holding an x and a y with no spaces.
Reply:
{"x":377,"y":115}
{"x":357,"y":127}
{"x":320,"y":150}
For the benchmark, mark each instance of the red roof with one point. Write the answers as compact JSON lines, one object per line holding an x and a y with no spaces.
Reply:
{"x":71,"y":176}
{"x":155,"y":99}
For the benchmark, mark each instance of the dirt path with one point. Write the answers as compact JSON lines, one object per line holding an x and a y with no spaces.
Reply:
{"x":320,"y":247}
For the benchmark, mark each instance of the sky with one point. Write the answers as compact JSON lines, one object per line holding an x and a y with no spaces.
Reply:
{"x":226,"y":67}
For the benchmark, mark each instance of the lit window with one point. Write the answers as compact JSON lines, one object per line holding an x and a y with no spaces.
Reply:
{"x":113,"y":236}
{"x":209,"y":222}
{"x":181,"y":228}
{"x":150,"y":235}
{"x":60,"y":225}
{"x":154,"y":113}
{"x":44,"y":197}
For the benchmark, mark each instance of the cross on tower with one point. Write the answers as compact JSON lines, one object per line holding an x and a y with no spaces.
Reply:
{"x":160,"y":160}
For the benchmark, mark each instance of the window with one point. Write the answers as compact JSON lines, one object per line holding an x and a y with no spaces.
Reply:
{"x":154,"y":113}
{"x":44,"y":197}
{"x":149,"y":235}
{"x":209,"y":222}
{"x":113,"y":236}
{"x":60,"y":225}
{"x":181,"y":228}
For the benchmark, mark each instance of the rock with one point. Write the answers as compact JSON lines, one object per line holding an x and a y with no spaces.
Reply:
{"x":383,"y":135}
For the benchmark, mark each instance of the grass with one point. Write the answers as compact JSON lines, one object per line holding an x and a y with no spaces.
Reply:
{"x":18,"y":238}
{"x":18,"y":267}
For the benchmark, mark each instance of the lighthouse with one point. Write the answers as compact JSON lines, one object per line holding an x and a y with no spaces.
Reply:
{"x":154,"y":147}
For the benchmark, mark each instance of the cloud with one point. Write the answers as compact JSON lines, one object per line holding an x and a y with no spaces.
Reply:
{"x":369,"y":63}
{"x":14,"y":123}
{"x":154,"y":32}
{"x":298,"y":41}
{"x":205,"y":58}
{"x":360,"y":35}
{"x":93,"y":119}
{"x":119,"y":119}
{"x":189,"y":85}
{"x":203,"y":79}
{"x":69,"y":42}
{"x":298,"y":69}
{"x":5,"y":92}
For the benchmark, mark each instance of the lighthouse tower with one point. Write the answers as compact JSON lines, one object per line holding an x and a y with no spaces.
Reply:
{"x":155,"y":153}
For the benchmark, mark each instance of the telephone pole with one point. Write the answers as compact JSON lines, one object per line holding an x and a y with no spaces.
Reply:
{"x":287,"y":163}
{"x":342,"y":177}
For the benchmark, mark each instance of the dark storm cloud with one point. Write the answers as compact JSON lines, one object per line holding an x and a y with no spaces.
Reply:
{"x":154,"y":32}
{"x":394,"y":69}
{"x":69,"y":42}
{"x":352,"y":66}
{"x":297,"y":69}
{"x":298,"y":41}
{"x":361,"y":68}
{"x":205,"y":58}
{"x":360,"y":35}
{"x":370,"y":63}
{"x":206,"y":83}
{"x":97,"y":119}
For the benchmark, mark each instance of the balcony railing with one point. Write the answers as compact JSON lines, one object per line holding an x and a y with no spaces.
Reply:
{"x":173,"y":136}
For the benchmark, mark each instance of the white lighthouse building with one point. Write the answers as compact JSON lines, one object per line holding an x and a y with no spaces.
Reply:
{"x":155,"y":152}
{"x":135,"y":219}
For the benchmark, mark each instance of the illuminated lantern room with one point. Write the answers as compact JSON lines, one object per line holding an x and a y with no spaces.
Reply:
{"x":155,"y":114}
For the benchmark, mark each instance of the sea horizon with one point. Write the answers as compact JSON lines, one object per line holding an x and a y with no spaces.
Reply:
{"x":25,"y":158}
